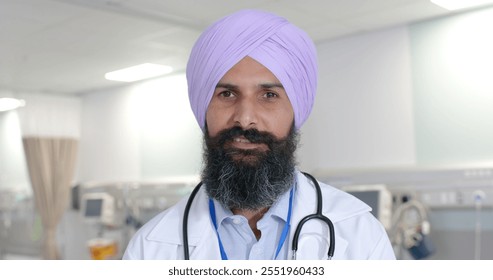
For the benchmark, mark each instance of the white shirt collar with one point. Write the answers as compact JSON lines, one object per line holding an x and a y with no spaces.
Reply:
{"x":279,"y":209}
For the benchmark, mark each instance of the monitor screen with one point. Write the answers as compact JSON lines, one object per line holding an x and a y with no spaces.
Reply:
{"x":94,"y":207}
{"x":378,"y":197}
{"x":371,"y":198}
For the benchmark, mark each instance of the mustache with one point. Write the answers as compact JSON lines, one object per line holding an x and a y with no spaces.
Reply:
{"x":252,"y":135}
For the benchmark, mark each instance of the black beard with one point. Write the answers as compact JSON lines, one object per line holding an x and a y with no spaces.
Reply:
{"x":248,"y":179}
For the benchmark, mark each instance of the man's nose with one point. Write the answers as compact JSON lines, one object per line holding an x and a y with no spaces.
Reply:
{"x":246,"y":113}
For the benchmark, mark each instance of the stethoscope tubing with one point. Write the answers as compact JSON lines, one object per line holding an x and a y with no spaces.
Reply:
{"x":185,"y":221}
{"x":319,"y":216}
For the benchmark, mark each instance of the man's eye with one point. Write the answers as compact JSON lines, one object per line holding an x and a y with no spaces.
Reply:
{"x":226,"y":94}
{"x":270,"y":94}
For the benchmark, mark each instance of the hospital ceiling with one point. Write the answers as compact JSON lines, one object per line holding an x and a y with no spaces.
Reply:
{"x":66,"y":46}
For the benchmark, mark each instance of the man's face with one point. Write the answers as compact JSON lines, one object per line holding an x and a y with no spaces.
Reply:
{"x":249,"y":96}
{"x":250,"y":139}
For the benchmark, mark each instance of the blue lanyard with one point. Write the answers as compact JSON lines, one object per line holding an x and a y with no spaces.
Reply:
{"x":284,"y":234}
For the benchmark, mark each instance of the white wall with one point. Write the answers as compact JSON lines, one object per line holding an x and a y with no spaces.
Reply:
{"x":453,"y":88}
{"x":47,"y":115}
{"x":142,"y":131}
{"x":363,"y":113}
{"x":13,"y":169}
{"x":170,"y":138}
{"x":109,"y":147}
{"x":415,"y":95}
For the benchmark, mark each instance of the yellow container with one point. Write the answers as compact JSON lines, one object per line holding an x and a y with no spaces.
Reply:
{"x":102,"y":248}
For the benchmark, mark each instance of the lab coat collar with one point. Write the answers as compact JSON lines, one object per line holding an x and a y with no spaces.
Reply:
{"x":202,"y":238}
{"x":333,"y":200}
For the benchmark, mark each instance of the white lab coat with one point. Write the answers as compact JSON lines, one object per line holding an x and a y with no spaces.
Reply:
{"x":358,"y":234}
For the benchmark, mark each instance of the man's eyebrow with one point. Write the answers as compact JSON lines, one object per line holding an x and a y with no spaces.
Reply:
{"x":227,"y":86}
{"x":271,"y":85}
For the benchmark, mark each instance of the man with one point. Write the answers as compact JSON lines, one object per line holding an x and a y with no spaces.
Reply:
{"x":252,"y":79}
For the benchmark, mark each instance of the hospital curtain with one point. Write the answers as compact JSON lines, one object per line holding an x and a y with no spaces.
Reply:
{"x":51,"y":164}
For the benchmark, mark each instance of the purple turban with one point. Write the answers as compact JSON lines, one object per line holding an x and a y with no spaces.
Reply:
{"x":281,"y":47}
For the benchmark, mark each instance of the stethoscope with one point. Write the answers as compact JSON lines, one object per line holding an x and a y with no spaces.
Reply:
{"x":317,"y":215}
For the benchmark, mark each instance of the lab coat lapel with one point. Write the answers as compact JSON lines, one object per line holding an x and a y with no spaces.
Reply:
{"x":202,"y":235}
{"x":202,"y":238}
